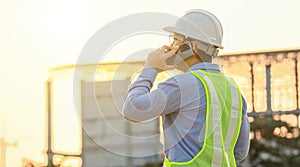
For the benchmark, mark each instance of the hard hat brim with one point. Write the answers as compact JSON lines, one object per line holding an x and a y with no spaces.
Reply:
{"x":178,"y":30}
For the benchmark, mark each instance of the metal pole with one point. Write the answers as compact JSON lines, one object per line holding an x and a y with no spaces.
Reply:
{"x":297,"y":93}
{"x":296,"y":78}
{"x":83,"y":138}
{"x":268,"y":87}
{"x":252,"y":86}
{"x":3,"y":145}
{"x":49,"y":123}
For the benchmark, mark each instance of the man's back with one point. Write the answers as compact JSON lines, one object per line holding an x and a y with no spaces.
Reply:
{"x":181,"y":101}
{"x":184,"y":121}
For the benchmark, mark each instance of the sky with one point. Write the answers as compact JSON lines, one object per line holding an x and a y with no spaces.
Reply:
{"x":36,"y":36}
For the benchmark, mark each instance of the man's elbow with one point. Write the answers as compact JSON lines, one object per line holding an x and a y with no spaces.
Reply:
{"x":139,"y":110}
{"x":129,"y":114}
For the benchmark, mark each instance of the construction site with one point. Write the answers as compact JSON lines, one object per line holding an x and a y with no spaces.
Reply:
{"x":85,"y":101}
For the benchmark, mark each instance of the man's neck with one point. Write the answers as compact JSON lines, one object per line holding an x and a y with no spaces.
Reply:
{"x":184,"y":66}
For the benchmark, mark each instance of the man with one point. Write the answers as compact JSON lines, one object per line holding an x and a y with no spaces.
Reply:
{"x":204,"y":115}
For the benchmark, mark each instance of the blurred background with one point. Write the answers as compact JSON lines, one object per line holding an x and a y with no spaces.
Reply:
{"x":48,"y":116}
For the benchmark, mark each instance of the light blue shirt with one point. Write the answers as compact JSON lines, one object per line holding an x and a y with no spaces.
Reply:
{"x":181,"y":101}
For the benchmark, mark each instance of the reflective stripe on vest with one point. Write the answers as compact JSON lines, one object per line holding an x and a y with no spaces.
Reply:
{"x":223,"y":122}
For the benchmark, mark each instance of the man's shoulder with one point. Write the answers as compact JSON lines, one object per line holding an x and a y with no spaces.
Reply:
{"x":184,"y":78}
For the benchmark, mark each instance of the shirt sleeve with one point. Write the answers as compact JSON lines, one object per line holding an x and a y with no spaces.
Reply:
{"x":141,"y":104}
{"x":243,"y":143}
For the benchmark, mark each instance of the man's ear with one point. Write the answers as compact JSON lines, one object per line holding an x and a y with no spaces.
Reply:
{"x":194,"y":47}
{"x":195,"y":50}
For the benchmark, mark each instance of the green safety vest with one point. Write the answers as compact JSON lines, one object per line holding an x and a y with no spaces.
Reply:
{"x":223,"y":122}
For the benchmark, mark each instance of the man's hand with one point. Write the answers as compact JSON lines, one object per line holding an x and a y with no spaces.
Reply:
{"x":157,"y":59}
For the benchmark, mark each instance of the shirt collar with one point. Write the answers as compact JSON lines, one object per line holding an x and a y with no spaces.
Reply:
{"x":206,"y":66}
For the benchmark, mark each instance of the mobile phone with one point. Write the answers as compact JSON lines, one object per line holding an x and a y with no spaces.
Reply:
{"x":184,"y":51}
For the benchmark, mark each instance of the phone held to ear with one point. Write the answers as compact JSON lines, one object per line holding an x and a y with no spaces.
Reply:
{"x":184,"y":51}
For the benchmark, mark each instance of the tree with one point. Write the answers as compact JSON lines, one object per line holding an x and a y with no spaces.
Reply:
{"x":275,"y":143}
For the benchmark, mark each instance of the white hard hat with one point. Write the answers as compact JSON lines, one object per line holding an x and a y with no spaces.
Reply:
{"x":199,"y":25}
